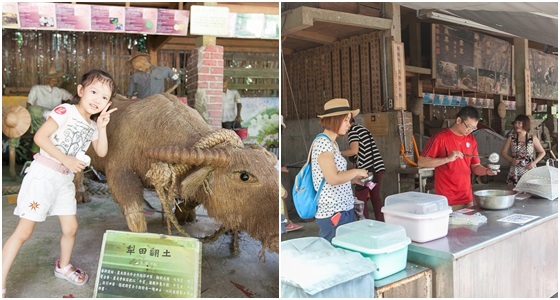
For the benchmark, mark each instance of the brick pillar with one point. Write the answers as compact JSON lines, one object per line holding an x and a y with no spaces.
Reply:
{"x":205,"y":69}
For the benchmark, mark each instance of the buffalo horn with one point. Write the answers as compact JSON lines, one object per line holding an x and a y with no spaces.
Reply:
{"x":218,"y":137}
{"x":217,"y":157}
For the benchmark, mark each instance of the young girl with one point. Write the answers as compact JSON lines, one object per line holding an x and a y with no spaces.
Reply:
{"x":47,"y":189}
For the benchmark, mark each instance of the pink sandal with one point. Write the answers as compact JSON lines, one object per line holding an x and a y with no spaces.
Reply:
{"x":66,"y":273}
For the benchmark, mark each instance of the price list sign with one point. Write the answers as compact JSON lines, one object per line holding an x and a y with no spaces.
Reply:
{"x":147,"y":265}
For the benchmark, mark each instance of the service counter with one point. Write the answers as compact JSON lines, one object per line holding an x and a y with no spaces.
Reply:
{"x":496,"y":259}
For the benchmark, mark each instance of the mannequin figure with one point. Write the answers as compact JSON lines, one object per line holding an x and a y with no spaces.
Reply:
{"x":148,"y":79}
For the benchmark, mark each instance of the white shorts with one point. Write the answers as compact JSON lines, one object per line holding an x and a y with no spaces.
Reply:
{"x":45,"y":192}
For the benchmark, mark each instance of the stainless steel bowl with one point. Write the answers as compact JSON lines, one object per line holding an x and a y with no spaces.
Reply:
{"x":495,"y":199}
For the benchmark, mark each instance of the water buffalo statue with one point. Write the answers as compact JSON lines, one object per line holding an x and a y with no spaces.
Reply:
{"x":162,"y":143}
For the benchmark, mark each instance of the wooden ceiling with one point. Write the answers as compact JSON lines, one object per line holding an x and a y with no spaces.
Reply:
{"x":160,"y":42}
{"x":308,"y":25}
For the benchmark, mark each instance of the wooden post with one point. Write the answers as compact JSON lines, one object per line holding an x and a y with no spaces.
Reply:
{"x":12,"y":161}
{"x":522,"y":76}
{"x":393,"y":11}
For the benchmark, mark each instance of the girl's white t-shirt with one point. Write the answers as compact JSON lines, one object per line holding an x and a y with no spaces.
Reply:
{"x":74,"y":133}
{"x":333,"y":198}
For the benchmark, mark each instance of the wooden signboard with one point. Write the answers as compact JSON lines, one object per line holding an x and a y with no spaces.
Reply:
{"x":399,"y":76}
{"x":528,"y":92}
{"x":147,"y":265}
{"x":377,"y":124}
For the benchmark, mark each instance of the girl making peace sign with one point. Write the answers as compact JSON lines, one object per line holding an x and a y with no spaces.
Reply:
{"x":47,"y":189}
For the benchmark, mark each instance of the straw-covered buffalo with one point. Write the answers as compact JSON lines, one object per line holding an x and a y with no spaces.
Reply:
{"x":162,"y":143}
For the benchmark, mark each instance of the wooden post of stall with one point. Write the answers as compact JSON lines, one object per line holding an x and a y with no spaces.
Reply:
{"x":392,"y":39}
{"x":522,"y":76}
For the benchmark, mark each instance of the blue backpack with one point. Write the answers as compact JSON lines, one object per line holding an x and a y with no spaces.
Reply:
{"x":303,"y":193}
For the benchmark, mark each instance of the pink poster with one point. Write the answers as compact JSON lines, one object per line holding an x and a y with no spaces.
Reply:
{"x":141,"y":20}
{"x":73,"y":17}
{"x":172,"y":21}
{"x":107,"y":18}
{"x":37,"y":15}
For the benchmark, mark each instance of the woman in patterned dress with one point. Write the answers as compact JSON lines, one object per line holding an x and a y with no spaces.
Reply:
{"x":520,"y":148}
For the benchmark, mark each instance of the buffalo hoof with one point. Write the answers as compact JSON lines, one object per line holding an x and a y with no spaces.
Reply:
{"x":136,"y":222}
{"x":234,"y":246}
{"x":184,"y":215}
{"x":82,"y":197}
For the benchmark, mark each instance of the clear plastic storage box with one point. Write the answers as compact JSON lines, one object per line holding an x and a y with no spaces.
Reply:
{"x":313,"y":268}
{"x":424,"y":216}
{"x":385,"y":244}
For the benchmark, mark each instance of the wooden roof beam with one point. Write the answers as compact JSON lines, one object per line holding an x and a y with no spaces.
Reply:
{"x":313,"y":37}
{"x":287,"y":51}
{"x":304,"y":17}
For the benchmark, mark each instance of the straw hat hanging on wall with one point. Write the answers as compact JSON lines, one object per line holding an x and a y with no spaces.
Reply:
{"x":15,"y":121}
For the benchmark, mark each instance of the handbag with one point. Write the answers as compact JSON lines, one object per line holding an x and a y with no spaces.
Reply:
{"x":303,"y":193}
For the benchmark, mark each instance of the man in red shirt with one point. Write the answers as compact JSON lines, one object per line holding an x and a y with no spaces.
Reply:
{"x":451,"y":153}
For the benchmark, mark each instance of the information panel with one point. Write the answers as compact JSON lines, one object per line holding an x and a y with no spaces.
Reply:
{"x":172,"y":22}
{"x":209,"y":20}
{"x":37,"y":15}
{"x":107,"y":18}
{"x":471,"y":61}
{"x":10,"y":15}
{"x":147,"y":265}
{"x":73,"y":17}
{"x":141,"y":20}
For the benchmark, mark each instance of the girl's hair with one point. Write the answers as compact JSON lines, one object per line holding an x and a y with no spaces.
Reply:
{"x":333,"y":123}
{"x":95,"y":75}
{"x":525,"y":120}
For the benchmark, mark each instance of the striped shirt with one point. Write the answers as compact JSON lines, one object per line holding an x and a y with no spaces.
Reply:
{"x":368,"y":154}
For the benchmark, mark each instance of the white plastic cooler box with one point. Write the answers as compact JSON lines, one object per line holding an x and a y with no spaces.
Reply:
{"x":424,"y":216}
{"x":384,"y":244}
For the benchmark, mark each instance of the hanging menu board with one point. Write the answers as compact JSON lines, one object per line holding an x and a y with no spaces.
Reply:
{"x":147,"y":265}
{"x":73,"y":17}
{"x":544,"y":75}
{"x":107,"y":18}
{"x":37,"y":15}
{"x":172,"y":22}
{"x":141,"y":20}
{"x":471,"y":61}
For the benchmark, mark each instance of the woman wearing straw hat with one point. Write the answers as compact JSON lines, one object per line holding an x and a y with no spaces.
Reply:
{"x":336,"y":199}
{"x":44,"y":98}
